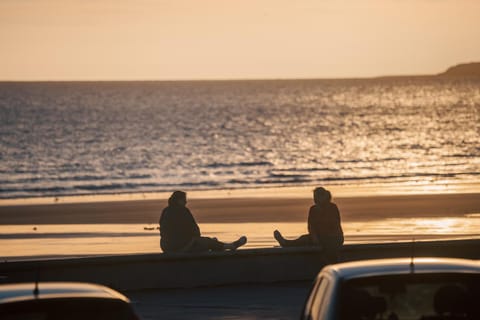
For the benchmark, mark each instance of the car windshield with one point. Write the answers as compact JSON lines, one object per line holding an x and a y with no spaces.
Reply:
{"x":415,"y":296}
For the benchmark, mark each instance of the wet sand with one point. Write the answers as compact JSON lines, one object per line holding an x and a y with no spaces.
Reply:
{"x":127,"y":227}
{"x":237,"y":210}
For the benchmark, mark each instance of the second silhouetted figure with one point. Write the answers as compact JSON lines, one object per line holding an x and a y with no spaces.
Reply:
{"x":324,"y":228}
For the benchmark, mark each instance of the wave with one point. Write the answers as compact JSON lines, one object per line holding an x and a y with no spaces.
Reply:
{"x":370,"y":160}
{"x":281,"y":178}
{"x":291,"y":176}
{"x":239,"y":164}
{"x":291,"y":181}
{"x":45,"y":235}
{"x":114,"y":186}
{"x":79,"y":178}
{"x":410,"y":176}
{"x":41,"y":190}
{"x":306,"y":170}
{"x":463,"y":155}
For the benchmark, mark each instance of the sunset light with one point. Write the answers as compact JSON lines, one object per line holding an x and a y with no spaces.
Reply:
{"x":209,"y":159}
{"x":215,"y":39}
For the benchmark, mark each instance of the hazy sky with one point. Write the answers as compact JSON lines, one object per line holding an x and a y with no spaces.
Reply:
{"x":229,"y":39}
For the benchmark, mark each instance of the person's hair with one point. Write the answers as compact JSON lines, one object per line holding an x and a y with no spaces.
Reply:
{"x":176,"y":195}
{"x":321,"y":195}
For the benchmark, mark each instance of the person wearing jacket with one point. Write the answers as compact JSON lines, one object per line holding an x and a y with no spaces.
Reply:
{"x":324,"y":226}
{"x":179,"y":232}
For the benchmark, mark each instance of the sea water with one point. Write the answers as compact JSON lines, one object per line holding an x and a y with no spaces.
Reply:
{"x":84,"y":138}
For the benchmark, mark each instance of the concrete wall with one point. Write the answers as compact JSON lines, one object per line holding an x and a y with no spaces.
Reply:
{"x":145,"y":271}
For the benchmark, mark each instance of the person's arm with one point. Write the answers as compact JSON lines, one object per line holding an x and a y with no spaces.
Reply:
{"x":160,"y":221}
{"x":338,"y":214}
{"x":311,"y":226}
{"x":188,"y":246}
{"x":195,"y":228}
{"x":338,"y":219}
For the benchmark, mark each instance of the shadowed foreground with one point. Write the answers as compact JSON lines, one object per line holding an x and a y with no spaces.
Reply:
{"x":268,"y":265}
{"x":260,"y":301}
{"x":245,"y":284}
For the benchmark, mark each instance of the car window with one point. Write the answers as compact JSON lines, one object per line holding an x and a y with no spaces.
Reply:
{"x":308,"y":303}
{"x":319,"y":298}
{"x":411,"y":297}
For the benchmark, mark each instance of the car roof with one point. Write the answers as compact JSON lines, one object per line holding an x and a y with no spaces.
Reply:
{"x":381,"y":267}
{"x":56,"y":290}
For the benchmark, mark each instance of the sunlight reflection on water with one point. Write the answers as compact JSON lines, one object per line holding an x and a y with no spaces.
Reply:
{"x":245,"y":134}
{"x":22,"y":241}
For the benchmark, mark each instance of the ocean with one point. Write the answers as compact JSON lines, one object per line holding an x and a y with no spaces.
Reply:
{"x":89,"y":138}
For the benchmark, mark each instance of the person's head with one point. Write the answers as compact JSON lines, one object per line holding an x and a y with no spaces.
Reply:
{"x":178,"y":198}
{"x":321,"y":195}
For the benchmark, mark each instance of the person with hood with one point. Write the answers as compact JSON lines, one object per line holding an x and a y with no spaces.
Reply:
{"x":324,"y":226}
{"x":179,"y":232}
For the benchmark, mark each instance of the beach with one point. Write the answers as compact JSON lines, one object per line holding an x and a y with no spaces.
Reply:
{"x":69,"y":228}
{"x":240,"y":210}
{"x":87,"y":167}
{"x":65,"y":229}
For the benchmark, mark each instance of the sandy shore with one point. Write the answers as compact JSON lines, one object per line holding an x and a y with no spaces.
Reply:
{"x":244,"y":209}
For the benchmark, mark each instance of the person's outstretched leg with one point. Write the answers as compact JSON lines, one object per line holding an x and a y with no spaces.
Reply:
{"x":203,"y":244}
{"x":280,"y":239}
{"x":236,"y":244}
{"x":302,"y":241}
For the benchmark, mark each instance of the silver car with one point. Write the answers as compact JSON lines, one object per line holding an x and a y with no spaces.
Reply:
{"x":396,"y":289}
{"x":63,"y":300}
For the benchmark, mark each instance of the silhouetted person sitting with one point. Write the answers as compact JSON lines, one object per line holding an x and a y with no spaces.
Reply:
{"x":324,"y":227}
{"x":179,"y":231}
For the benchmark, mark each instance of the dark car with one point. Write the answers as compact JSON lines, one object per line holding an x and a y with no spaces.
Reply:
{"x":396,"y":289}
{"x":63,"y":300}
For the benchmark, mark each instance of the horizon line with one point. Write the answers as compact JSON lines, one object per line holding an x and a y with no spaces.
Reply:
{"x":227,"y":79}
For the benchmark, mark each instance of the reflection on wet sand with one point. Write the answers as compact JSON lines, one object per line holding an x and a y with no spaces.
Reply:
{"x":23,"y":242}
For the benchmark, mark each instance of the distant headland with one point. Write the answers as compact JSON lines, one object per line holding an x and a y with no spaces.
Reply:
{"x":463,"y":70}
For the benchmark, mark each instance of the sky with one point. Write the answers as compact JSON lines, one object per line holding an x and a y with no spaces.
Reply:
{"x":234,"y":39}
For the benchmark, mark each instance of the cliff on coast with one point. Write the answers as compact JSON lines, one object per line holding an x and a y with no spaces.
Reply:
{"x":464,"y":70}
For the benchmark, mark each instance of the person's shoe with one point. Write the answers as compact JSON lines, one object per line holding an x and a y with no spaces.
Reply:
{"x":240,"y":242}
{"x":278,"y":236}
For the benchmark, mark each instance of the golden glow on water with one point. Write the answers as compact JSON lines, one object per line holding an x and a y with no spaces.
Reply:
{"x":418,"y":187}
{"x":22,"y":241}
{"x":435,"y":188}
{"x":442,"y":226}
{"x":417,"y":227}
